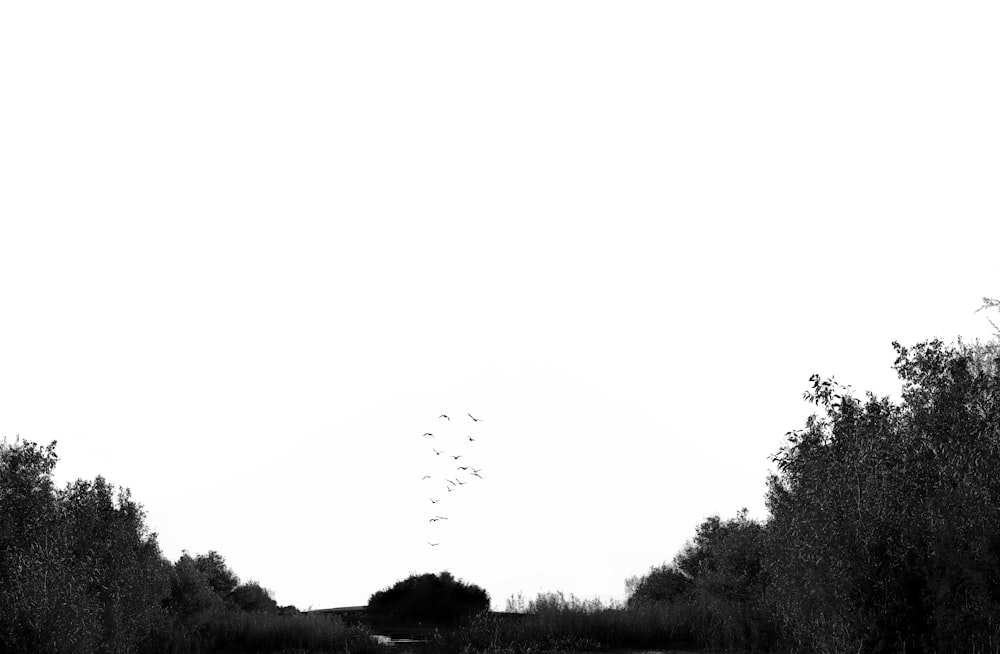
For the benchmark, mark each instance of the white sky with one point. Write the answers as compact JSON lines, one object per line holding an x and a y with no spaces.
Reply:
{"x":250,"y":251}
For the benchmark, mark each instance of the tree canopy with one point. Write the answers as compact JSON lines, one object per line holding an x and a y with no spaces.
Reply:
{"x":80,"y":572}
{"x":883,"y":532}
{"x":429,"y":597}
{"x":885,"y":517}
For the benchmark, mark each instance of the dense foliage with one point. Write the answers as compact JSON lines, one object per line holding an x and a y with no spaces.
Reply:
{"x":884,"y":526}
{"x":78,"y":570}
{"x":80,"y":573}
{"x":554,"y":622}
{"x":885,"y":518}
{"x":883,"y":537}
{"x":429,"y":598}
{"x":713,"y":592}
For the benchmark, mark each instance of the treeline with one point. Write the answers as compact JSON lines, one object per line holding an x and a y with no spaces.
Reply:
{"x":884,"y":526}
{"x":80,"y":573}
{"x":883,"y":536}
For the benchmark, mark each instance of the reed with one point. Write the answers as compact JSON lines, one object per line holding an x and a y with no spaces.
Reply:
{"x":268,"y":633}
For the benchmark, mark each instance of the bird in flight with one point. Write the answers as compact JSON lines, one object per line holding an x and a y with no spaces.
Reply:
{"x":477,"y":474}
{"x":450,"y":489}
{"x":445,"y":417}
{"x":433,"y":501}
{"x":474,"y":418}
{"x":440,"y":517}
{"x":475,"y":470}
{"x":461,"y":483}
{"x":427,"y":433}
{"x":425,"y":477}
{"x":450,"y":482}
{"x":463,"y":467}
{"x":456,"y":457}
{"x":433,"y":544}
{"x":472,"y":439}
{"x":438,"y":453}
{"x":433,"y":519}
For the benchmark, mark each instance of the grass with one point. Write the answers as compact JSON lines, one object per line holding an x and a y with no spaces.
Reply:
{"x":554,"y":623}
{"x":237,"y":632}
{"x":563,"y":625}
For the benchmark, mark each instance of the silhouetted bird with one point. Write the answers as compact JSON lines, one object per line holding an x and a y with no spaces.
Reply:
{"x":449,"y":489}
{"x":450,"y":482}
{"x":475,"y":470}
{"x":433,"y":501}
{"x":461,"y":483}
{"x":440,"y":517}
{"x":433,"y":544}
{"x":427,"y":433}
{"x":445,"y":417}
{"x":433,"y":519}
{"x":456,"y":457}
{"x":425,"y":477}
{"x":476,"y":474}
{"x":463,"y":467}
{"x":438,"y":453}
{"x":474,"y":419}
{"x":472,"y":439}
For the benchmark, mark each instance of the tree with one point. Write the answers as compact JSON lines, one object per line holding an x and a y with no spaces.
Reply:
{"x":725,"y":557}
{"x":79,"y":571}
{"x":429,"y":597}
{"x":37,"y":576}
{"x":253,"y":598}
{"x":884,"y":516}
{"x":665,"y":583}
{"x":118,"y":558}
{"x":213,"y":566}
{"x":192,"y":599}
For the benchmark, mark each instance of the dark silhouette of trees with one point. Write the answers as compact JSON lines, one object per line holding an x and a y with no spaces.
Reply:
{"x":79,"y":572}
{"x":885,"y":518}
{"x":884,"y":526}
{"x":213,"y":566}
{"x":253,"y":598}
{"x":107,"y":540}
{"x":428,"y":598}
{"x":717,"y":585}
{"x":192,"y":599}
{"x":726,"y":557}
{"x":664,"y":583}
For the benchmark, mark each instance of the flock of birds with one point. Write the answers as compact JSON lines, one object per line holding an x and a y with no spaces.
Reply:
{"x":454,"y":481}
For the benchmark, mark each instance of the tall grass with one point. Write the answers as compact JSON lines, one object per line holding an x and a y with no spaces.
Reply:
{"x":557,"y":623}
{"x":266,"y":633}
{"x":553,"y":622}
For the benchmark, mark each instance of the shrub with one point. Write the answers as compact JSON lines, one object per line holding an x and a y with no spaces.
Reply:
{"x":561,"y":623}
{"x":263,"y":632}
{"x":665,"y":583}
{"x":428,"y":597}
{"x":253,"y":598}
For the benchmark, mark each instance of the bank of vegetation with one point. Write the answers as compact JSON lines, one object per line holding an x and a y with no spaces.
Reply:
{"x":80,"y":573}
{"x":883,"y":536}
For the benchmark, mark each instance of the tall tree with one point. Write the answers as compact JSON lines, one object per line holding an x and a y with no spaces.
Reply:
{"x":884,"y":515}
{"x":79,"y":571}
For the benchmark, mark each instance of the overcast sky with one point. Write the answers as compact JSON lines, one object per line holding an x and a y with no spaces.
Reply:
{"x":249,"y":253}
